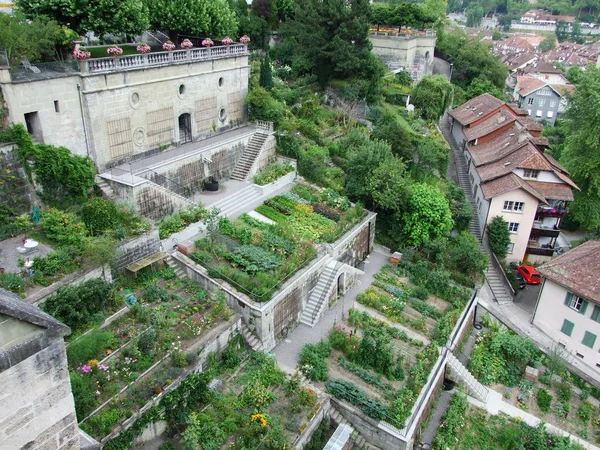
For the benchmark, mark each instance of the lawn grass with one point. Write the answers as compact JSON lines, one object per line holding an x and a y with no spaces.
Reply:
{"x":100,"y":51}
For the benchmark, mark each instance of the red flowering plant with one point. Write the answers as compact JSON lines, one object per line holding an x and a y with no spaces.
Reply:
{"x":143,"y":48}
{"x":114,"y":51}
{"x":81,"y":54}
{"x":168,"y":46}
{"x":186,"y":44}
{"x":244,"y":39}
{"x":227,"y":41}
{"x":207,"y":42}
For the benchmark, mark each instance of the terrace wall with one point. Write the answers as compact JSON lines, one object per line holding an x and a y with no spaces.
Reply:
{"x":137,"y":248}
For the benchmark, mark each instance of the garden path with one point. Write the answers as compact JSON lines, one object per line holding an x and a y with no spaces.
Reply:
{"x":496,"y":405}
{"x":9,"y":256}
{"x":287,"y":352}
{"x":411,"y":334}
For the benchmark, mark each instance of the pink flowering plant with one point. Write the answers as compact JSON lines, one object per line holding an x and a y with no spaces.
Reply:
{"x":81,"y":54}
{"x":186,"y":44}
{"x":114,"y":51}
{"x":227,"y":41}
{"x":143,"y":48}
{"x":168,"y":46}
{"x":207,"y":42}
{"x":244,"y":39}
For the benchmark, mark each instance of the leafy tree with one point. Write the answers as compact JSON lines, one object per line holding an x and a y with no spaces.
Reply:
{"x":482,"y":85}
{"x":397,"y":136}
{"x":498,"y":236}
{"x":428,"y":215}
{"x":35,"y":40}
{"x":331,"y":39}
{"x":262,"y":105}
{"x":461,"y":209}
{"x":214,"y":18}
{"x":101,"y":251}
{"x":313,"y":163}
{"x":432,"y":96}
{"x":576,"y":34}
{"x":266,"y":75}
{"x":388,"y":184}
{"x":581,"y":155}
{"x":62,"y":227}
{"x":474,"y":14}
{"x":466,"y":255}
{"x":432,"y":155}
{"x":549,"y":43}
{"x":361,"y":164}
{"x":574,"y":75}
{"x":562,"y":31}
{"x":404,"y":78}
{"x":497,"y":35}
{"x":120,"y":17}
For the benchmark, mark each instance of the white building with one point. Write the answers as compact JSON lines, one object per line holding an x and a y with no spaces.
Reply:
{"x":511,"y":175}
{"x":568,"y":306}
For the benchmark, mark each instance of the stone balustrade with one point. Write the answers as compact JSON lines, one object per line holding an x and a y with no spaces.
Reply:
{"x":154,"y":59}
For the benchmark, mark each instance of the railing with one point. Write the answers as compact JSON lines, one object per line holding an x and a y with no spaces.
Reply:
{"x":262,"y":125}
{"x":169,"y":184}
{"x":544,"y":231}
{"x":398,"y":33}
{"x":552,"y":212}
{"x":323,"y":296}
{"x":540,"y":251}
{"x":161,"y":58}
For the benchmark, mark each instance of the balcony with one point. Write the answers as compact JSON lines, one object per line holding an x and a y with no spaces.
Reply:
{"x":538,"y":231}
{"x":156,"y":59}
{"x":547,"y":211}
{"x":539,"y":251}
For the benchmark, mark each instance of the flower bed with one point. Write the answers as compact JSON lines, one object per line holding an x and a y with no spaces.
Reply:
{"x":142,"y":351}
{"x":272,"y":173}
{"x":256,"y":257}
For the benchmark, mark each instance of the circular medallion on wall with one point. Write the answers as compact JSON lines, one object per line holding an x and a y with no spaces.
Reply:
{"x":138,"y":136}
{"x":134,"y":100}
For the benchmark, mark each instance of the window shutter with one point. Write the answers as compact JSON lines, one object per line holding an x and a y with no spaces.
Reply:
{"x":596,"y":313}
{"x":589,"y":339}
{"x":584,"y":305}
{"x":568,"y":299}
{"x":567,"y":327}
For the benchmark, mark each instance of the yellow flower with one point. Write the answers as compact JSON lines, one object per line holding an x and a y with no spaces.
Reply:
{"x":260,"y":418}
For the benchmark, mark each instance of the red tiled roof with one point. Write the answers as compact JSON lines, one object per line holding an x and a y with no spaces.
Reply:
{"x":536,"y":161}
{"x":530,"y":123}
{"x":577,"y":270}
{"x":507,"y":183}
{"x":555,"y":163}
{"x":499,"y":120}
{"x":526,"y":85}
{"x":552,"y":191}
{"x":476,"y":108}
{"x":508,"y":163}
{"x":502,"y":145}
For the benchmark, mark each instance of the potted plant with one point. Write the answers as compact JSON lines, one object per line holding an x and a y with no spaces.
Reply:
{"x":227,"y":41}
{"x":211,"y":184}
{"x":143,"y":48}
{"x":186,"y":44}
{"x":244,"y":40}
{"x":81,"y":54}
{"x":168,"y":46}
{"x":114,"y":51}
{"x":207,"y":42}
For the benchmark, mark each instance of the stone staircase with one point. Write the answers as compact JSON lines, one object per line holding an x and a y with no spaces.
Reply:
{"x":179,"y":273}
{"x":472,"y":386}
{"x":105,"y":188}
{"x":356,"y":440}
{"x":249,"y":155}
{"x":233,"y":203}
{"x":319,"y":295}
{"x":251,"y":339}
{"x":180,"y":199}
{"x":492,"y":275}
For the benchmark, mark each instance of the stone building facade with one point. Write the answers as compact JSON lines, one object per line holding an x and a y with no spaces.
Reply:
{"x":36,"y":405}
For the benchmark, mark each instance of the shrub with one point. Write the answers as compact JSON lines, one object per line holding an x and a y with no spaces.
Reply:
{"x":99,"y":215}
{"x":251,"y":258}
{"x":313,"y":361}
{"x":498,"y":236}
{"x":12,"y":282}
{"x":452,"y":422}
{"x":585,"y":410}
{"x":178,"y":221}
{"x":62,"y":227}
{"x":102,"y":423}
{"x":84,"y":393}
{"x":272,"y":173}
{"x":420,"y":292}
{"x":346,"y":390}
{"x":90,"y":346}
{"x":147,"y":340}
{"x":52,"y":264}
{"x":564,"y":392}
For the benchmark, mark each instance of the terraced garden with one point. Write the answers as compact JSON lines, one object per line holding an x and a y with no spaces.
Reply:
{"x":257,"y":253}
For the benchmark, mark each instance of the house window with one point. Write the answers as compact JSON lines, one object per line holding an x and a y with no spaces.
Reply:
{"x":513,"y":227}
{"x":538,"y":113}
{"x":529,"y":112}
{"x":552,"y":103}
{"x":567,"y":327}
{"x":56,"y":106}
{"x":596,"y":313}
{"x":513,"y":206}
{"x":589,"y":339}
{"x":511,"y":247}
{"x":550,"y":114}
{"x":530,"y":101}
{"x":576,"y":303}
{"x":529,"y":173}
{"x":545,"y":91}
{"x":541,"y":103}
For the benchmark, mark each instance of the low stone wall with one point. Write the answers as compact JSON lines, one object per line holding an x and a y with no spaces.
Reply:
{"x":314,"y":423}
{"x":137,"y":248}
{"x":268,"y":189}
{"x":74,"y":278}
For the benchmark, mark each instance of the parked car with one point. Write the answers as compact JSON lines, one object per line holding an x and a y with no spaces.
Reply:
{"x":530,"y":275}
{"x":520,"y":280}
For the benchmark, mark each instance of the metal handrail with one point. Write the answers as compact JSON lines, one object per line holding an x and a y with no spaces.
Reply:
{"x":179,"y":189}
{"x":333,"y":273}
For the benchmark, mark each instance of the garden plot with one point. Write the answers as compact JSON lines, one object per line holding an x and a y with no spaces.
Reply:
{"x":465,"y":427}
{"x":116,"y":370}
{"x":256,"y":257}
{"x":499,"y":360}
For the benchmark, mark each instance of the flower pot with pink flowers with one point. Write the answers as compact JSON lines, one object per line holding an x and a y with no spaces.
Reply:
{"x":245,"y":40}
{"x":168,"y":46}
{"x":114,"y":51}
{"x":143,"y":48}
{"x":186,"y":44}
{"x":208,"y":42}
{"x":227,"y":41}
{"x":81,"y":54}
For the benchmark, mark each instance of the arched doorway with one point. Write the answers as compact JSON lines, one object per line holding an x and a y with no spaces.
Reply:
{"x":185,"y":128}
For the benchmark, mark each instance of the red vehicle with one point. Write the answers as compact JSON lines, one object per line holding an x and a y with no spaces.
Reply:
{"x":530,"y":274}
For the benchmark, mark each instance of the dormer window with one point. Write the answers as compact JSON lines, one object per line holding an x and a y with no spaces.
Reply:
{"x":530,"y":173}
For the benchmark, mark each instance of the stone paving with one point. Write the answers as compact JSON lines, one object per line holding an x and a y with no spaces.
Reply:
{"x":287,"y":352}
{"x":9,"y":256}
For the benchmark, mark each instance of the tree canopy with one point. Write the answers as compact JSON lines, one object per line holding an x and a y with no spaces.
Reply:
{"x":581,"y":154}
{"x":432,"y":96}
